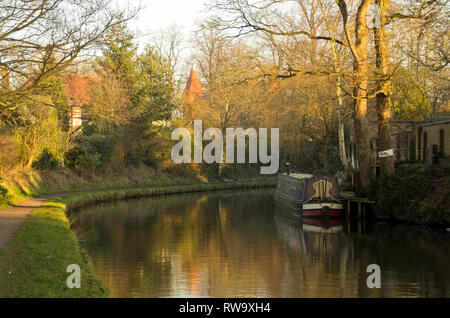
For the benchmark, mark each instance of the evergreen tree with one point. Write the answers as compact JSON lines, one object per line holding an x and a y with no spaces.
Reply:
{"x":148,"y":79}
{"x":119,"y":58}
{"x":156,"y":86}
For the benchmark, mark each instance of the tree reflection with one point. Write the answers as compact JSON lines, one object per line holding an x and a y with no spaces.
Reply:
{"x":233,"y":244}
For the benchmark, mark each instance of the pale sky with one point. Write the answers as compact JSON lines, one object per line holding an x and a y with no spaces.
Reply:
{"x":160,"y":14}
{"x":157,"y":15}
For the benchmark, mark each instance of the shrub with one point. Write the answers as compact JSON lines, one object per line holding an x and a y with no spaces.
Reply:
{"x":45,"y":161}
{"x":89,"y":160}
{"x":90,"y":151}
{"x":5,"y":196}
{"x":414,"y":193}
{"x":100,"y":144}
{"x":9,"y":153}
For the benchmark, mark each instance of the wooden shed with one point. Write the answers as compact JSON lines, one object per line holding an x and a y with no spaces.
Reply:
{"x":433,"y":138}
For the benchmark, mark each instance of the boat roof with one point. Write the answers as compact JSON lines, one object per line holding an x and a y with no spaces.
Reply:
{"x":299,"y":175}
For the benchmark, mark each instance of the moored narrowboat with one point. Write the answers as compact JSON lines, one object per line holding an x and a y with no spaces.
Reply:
{"x":306,"y":195}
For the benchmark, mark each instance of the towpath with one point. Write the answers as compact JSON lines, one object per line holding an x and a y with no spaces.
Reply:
{"x":12,"y":218}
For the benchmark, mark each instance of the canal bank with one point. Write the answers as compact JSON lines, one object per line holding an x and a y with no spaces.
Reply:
{"x":32,"y":265}
{"x":415,"y":193}
{"x":34,"y":262}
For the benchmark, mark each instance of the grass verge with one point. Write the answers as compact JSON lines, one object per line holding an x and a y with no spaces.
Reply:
{"x":34,"y":262}
{"x":79,"y":200}
{"x":23,"y":183}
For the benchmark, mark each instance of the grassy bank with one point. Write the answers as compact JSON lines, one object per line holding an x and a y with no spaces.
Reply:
{"x":23,"y":183}
{"x":416,"y":193}
{"x":76,"y":201}
{"x":34,"y":262}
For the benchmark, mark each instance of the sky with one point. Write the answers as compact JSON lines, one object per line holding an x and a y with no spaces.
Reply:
{"x":157,"y":15}
{"x":160,"y":14}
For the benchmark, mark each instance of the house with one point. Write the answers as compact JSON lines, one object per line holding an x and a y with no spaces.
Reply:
{"x":78,"y":89}
{"x":420,"y":141}
{"x":193,"y":89}
{"x":433,"y":139}
{"x":192,"y":94}
{"x":413,"y":141}
{"x":403,"y":139}
{"x":79,"y":92}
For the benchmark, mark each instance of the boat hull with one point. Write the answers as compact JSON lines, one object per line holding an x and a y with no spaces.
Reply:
{"x":307,"y":197}
{"x":323,"y":209}
{"x":320,"y":209}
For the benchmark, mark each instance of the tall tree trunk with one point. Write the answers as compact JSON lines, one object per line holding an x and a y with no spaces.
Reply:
{"x":340,"y":106}
{"x":341,"y":127}
{"x":325,"y":151}
{"x":360,"y":89}
{"x":383,"y":95}
{"x":361,"y":126}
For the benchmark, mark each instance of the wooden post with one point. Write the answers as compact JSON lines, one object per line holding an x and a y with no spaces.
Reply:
{"x":348,"y":208}
{"x":363,"y":224}
{"x":359,"y":209}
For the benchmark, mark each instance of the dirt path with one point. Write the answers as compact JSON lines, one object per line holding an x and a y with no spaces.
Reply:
{"x":12,"y":218}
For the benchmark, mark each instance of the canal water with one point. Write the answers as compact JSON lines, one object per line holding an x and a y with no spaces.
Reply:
{"x":238,"y":244}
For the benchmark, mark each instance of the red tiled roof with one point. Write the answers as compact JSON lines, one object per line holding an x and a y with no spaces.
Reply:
{"x":193,"y":85}
{"x":79,"y":90}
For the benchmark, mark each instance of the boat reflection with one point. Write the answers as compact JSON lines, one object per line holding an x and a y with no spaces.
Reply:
{"x":311,"y":236}
{"x":323,"y":225}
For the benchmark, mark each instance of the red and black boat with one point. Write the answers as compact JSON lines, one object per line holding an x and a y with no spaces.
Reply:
{"x":307,"y":195}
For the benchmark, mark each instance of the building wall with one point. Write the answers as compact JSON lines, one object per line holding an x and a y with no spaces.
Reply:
{"x":409,"y":140}
{"x":436,"y":137}
{"x":403,"y":142}
{"x":403,"y":139}
{"x":76,"y":117}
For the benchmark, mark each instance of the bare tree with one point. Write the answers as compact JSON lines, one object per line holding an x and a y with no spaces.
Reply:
{"x":337,"y":61}
{"x":110,"y":104}
{"x":170,"y":44}
{"x":227,"y":67}
{"x":39,"y":38}
{"x":425,"y":55}
{"x":244,"y":17}
{"x":423,"y":10}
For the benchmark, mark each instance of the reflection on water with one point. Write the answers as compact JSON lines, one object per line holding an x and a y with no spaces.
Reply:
{"x":232,"y":244}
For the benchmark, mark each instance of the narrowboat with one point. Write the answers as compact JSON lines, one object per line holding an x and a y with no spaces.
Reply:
{"x":306,"y":195}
